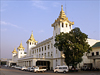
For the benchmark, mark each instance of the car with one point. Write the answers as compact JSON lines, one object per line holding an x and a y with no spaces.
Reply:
{"x":40,"y":69}
{"x":13,"y":66}
{"x":18,"y":67}
{"x":0,"y":66}
{"x":73,"y":69}
{"x":24,"y":68}
{"x":6,"y":65}
{"x":31,"y":69}
{"x":63,"y":69}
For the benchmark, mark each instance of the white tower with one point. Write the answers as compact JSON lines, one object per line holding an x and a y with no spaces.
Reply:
{"x":20,"y":50}
{"x":14,"y":52}
{"x":30,"y":44}
{"x":62,"y":24}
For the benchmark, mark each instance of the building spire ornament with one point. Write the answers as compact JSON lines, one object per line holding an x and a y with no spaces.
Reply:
{"x":32,"y":39}
{"x":61,"y":7}
{"x":14,"y":51}
{"x":62,"y":18}
{"x":21,"y":46}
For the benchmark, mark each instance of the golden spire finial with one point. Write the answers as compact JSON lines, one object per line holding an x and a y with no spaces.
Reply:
{"x":61,"y":7}
{"x":32,"y":31}
{"x":32,"y":39}
{"x":21,"y":46}
{"x":14,"y":51}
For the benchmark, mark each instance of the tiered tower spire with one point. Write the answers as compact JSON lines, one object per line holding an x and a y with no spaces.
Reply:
{"x":14,"y":51}
{"x":62,"y":18}
{"x":20,"y":46}
{"x":32,"y":39}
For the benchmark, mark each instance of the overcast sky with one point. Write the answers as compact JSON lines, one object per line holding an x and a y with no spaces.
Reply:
{"x":19,"y":18}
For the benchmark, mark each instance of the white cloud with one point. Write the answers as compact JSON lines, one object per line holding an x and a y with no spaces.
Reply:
{"x":39,"y":4}
{"x":8,"y":24}
{"x":56,"y":4}
{"x":41,"y":31}
{"x":3,"y":6}
{"x":3,"y":29}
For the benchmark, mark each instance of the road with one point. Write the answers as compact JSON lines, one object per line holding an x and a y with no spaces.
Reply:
{"x":11,"y":71}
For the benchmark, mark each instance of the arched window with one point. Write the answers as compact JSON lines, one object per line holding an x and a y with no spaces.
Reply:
{"x":62,"y":24}
{"x":66,"y":25}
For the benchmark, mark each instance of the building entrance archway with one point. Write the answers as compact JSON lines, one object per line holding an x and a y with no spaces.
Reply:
{"x":43,"y":63}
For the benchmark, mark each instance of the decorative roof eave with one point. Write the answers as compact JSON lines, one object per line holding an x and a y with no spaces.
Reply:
{"x":14,"y":51}
{"x":97,"y":44}
{"x":31,"y":41}
{"x":20,"y":48}
{"x":60,"y":20}
{"x":43,"y":42}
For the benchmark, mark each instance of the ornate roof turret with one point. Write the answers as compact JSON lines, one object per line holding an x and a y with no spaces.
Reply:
{"x":62,"y":17}
{"x":21,"y":46}
{"x":14,"y":51}
{"x":32,"y":39}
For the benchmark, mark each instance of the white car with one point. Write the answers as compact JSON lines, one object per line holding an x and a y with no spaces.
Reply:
{"x":24,"y":68}
{"x":63,"y":69}
{"x":31,"y":69}
{"x":18,"y":67}
{"x":13,"y":66}
{"x":40,"y":69}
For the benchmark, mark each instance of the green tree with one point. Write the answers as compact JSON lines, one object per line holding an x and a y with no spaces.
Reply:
{"x":73,"y":45}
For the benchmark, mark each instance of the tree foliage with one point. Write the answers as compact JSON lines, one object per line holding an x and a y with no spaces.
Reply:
{"x":73,"y":45}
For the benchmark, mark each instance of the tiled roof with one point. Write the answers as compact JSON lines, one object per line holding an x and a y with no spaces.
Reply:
{"x":96,"y":44}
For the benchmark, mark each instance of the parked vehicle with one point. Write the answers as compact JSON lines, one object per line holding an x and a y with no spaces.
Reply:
{"x":17,"y":67}
{"x":73,"y":69}
{"x":6,"y":65}
{"x":28,"y":69}
{"x":31,"y":69}
{"x":24,"y":68}
{"x":0,"y":66}
{"x":63,"y":69}
{"x":13,"y":66}
{"x":84,"y":68}
{"x":40,"y":69}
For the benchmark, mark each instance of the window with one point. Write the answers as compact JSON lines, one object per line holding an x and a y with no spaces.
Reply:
{"x":33,"y":52}
{"x":60,"y":67}
{"x":39,"y":49}
{"x":56,"y":33}
{"x":70,"y":26}
{"x":92,"y":53}
{"x":45,"y":54}
{"x":42,"y":48}
{"x":62,"y":25}
{"x":48,"y":46}
{"x":51,"y":53}
{"x":39,"y":55}
{"x":48,"y":53}
{"x":45,"y":47}
{"x":42,"y":54}
{"x":66,"y":25}
{"x":56,"y":51}
{"x":30,"y":43}
{"x":64,"y":67}
{"x":97,"y":53}
{"x":21,"y":53}
{"x":54,"y":27}
{"x":51,"y":45}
